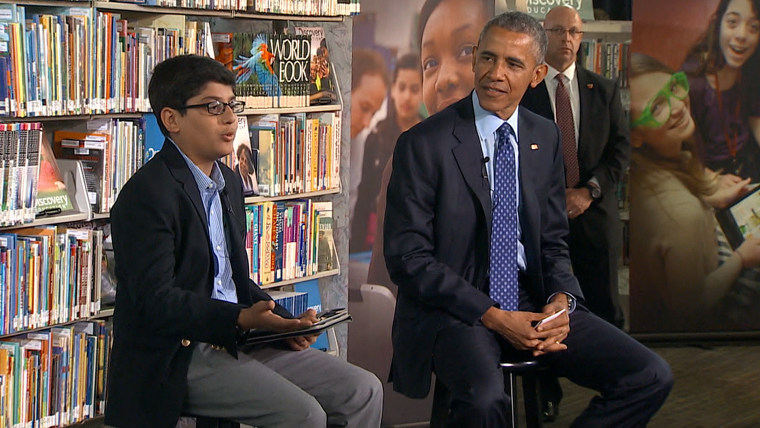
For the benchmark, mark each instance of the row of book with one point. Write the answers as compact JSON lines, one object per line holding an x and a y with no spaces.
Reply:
{"x":289,"y":239}
{"x":79,"y":60}
{"x":32,"y":184}
{"x":296,"y":302}
{"x":110,"y":152}
{"x":49,"y":275}
{"x":290,"y":153}
{"x":19,"y":171}
{"x":76,"y":60}
{"x":272,"y":70}
{"x":606,"y":58}
{"x":285,"y":7}
{"x":54,"y":377}
{"x":306,"y":7}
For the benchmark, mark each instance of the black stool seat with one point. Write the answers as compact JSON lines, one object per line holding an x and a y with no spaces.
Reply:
{"x":527,"y":369}
{"x":520,"y":366}
{"x":210,"y":422}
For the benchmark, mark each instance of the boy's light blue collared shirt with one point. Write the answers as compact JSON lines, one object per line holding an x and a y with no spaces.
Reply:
{"x":209,"y":188}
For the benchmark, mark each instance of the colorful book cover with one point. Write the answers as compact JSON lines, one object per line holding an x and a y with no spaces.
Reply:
{"x":223,"y":51}
{"x":90,"y":149}
{"x":52,"y":195}
{"x":322,"y":89}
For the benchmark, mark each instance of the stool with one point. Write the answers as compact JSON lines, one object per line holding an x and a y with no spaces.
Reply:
{"x":526,"y":368}
{"x":209,"y":422}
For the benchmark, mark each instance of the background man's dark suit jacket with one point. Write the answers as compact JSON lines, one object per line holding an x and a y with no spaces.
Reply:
{"x":438,"y":225}
{"x":165,"y":270}
{"x":603,"y":152}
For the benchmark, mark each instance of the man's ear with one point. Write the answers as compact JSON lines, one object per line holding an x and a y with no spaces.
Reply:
{"x":538,"y":75}
{"x":169,"y":117}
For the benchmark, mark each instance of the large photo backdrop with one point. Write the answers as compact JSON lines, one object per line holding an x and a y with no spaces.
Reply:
{"x":695,"y":127}
{"x":410,"y":59}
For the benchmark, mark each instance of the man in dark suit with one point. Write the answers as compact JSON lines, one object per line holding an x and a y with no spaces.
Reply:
{"x":596,"y":149}
{"x":184,"y":293}
{"x":602,"y":139}
{"x":440,"y":240}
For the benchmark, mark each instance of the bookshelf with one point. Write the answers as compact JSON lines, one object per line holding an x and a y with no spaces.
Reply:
{"x":332,"y":282}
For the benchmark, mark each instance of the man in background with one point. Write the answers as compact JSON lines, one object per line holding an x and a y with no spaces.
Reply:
{"x":596,"y":150}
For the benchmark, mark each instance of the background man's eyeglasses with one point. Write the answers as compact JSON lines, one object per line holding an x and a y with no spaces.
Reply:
{"x":217,"y":107}
{"x":559,"y":31}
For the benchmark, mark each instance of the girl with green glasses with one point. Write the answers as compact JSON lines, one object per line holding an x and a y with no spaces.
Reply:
{"x":676,"y":280}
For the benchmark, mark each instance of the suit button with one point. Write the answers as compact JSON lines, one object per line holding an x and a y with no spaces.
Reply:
{"x":185,"y":343}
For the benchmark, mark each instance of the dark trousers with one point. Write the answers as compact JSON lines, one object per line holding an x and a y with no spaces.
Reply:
{"x":633,"y":381}
{"x":597,"y":272}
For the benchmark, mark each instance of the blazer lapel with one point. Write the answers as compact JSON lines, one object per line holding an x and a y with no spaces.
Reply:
{"x":585,"y":91}
{"x":529,"y":148}
{"x":179,"y":169}
{"x":469,"y":156}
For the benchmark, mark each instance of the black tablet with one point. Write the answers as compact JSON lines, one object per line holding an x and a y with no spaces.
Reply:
{"x":742,"y":218}
{"x":326,"y":319}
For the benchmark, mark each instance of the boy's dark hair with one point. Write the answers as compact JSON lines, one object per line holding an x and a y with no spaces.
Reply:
{"x":177,"y":79}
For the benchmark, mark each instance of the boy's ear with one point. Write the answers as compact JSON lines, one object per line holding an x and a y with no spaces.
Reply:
{"x":169,"y":117}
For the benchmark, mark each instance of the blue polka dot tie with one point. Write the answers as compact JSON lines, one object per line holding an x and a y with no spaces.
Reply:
{"x":504,"y":233}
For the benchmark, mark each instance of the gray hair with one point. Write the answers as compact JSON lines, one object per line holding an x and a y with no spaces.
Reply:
{"x":519,"y":22}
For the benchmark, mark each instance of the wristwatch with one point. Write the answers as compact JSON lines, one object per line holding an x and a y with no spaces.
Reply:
{"x":570,"y":302}
{"x":595,"y":191}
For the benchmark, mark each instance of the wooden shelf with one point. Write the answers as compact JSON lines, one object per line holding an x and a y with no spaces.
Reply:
{"x":277,"y":17}
{"x":255,"y":199}
{"x":288,"y":110}
{"x":623,"y":27}
{"x":106,"y":313}
{"x":132,"y":7}
{"x":279,"y":284}
{"x":135,"y":115}
{"x":222,"y":13}
{"x":55,"y":219}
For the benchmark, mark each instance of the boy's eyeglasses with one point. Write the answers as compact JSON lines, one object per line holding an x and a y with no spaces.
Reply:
{"x":217,"y":107}
{"x":658,"y":110}
{"x":559,"y":31}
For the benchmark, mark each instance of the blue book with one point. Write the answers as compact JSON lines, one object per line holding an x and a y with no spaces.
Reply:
{"x":314,"y":299}
{"x":154,"y":139}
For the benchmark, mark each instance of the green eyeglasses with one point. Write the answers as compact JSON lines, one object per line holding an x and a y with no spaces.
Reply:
{"x":658,"y":110}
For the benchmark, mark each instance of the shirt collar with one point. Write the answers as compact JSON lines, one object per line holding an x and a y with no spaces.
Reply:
{"x":488,"y":122}
{"x":553,"y":72}
{"x":216,"y":180}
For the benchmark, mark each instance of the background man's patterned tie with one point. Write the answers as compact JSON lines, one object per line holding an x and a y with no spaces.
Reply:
{"x":567,"y":128}
{"x":504,"y":287}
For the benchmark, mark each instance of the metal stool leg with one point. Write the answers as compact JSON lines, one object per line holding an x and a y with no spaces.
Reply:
{"x":531,"y":396}
{"x":510,"y":385}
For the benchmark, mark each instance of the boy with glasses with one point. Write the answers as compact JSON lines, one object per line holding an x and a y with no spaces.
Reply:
{"x":184,"y":293}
